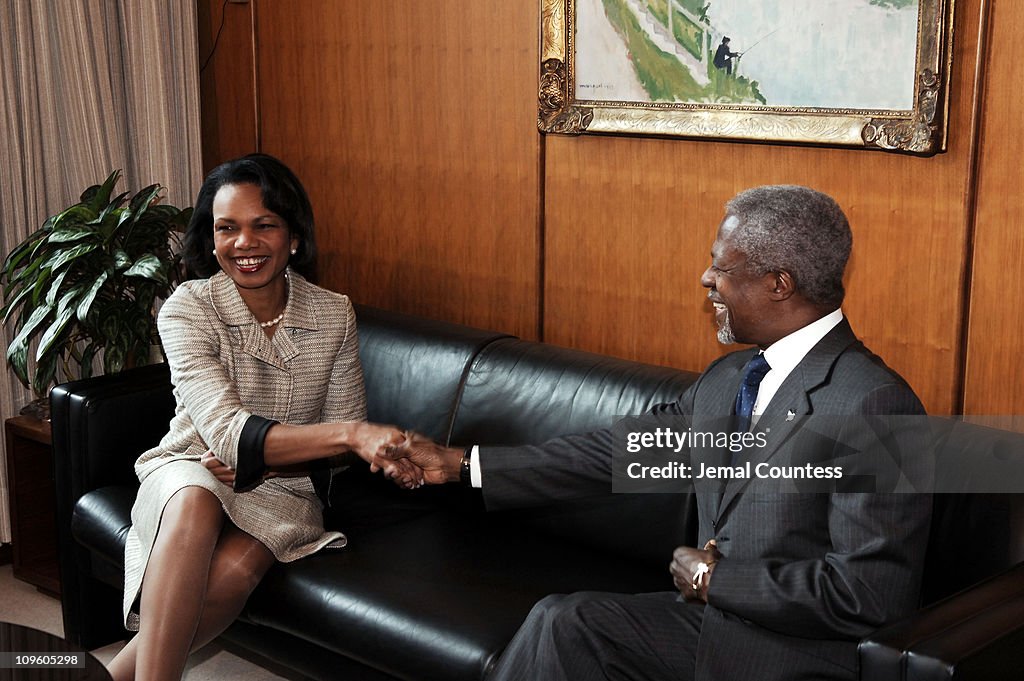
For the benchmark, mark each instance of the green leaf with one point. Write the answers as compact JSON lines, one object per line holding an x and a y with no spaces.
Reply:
{"x":68,"y":234}
{"x":20,"y":252}
{"x":33,"y":271}
{"x":73,"y":216}
{"x":46,"y":369}
{"x":99,"y":195}
{"x":87,"y":358}
{"x":17,"y":357}
{"x":53,"y":334}
{"x":114,"y":204}
{"x":31,"y":324}
{"x":121,"y":259}
{"x":85,"y":304}
{"x":141,"y":201}
{"x":163,"y":212}
{"x":182,"y":220}
{"x":51,"y":296}
{"x":114,"y":356}
{"x":150,"y":267}
{"x":110,"y":325}
{"x":65,"y":315}
{"x":61,"y":258}
{"x":13,"y":305}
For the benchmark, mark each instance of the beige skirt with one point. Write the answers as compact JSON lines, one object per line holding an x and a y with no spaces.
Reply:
{"x":284,"y":514}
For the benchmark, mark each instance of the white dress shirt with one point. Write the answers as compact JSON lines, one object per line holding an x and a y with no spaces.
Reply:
{"x":784,"y":354}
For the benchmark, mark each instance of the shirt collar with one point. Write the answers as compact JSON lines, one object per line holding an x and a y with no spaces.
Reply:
{"x":784,"y":354}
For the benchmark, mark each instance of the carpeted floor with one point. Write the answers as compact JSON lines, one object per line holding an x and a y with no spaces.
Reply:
{"x":21,"y":603}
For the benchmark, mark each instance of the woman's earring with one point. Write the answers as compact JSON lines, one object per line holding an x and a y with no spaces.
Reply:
{"x":214,"y":251}
{"x":294,"y":251}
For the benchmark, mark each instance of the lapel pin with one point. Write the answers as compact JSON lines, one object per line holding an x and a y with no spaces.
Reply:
{"x":790,"y":415}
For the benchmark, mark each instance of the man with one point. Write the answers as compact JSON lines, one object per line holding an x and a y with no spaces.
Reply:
{"x":723,"y":56}
{"x":786,"y":583}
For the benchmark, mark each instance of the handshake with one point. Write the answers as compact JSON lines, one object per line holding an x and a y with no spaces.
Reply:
{"x":414,"y":460}
{"x":407,"y":458}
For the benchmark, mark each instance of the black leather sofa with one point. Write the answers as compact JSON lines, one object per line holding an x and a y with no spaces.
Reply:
{"x":433,"y":587}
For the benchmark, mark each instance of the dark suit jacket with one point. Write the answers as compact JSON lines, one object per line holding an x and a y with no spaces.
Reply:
{"x":804,"y":575}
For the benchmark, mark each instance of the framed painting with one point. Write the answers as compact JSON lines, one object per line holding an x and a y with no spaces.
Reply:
{"x":862,"y":73}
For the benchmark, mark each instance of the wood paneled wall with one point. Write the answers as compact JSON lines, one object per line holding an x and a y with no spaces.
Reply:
{"x":995,"y":350}
{"x":412,"y":123}
{"x":412,"y":126}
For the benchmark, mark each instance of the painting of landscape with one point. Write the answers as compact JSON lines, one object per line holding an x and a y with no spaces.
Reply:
{"x":817,"y":54}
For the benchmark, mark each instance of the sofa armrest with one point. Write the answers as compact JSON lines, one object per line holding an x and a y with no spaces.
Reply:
{"x":975,"y":634}
{"x":99,"y":427}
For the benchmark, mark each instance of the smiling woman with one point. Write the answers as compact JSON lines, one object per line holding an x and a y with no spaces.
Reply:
{"x":270,"y":398}
{"x":252,"y":245}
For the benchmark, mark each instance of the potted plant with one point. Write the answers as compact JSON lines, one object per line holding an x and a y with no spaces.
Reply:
{"x":84,"y":284}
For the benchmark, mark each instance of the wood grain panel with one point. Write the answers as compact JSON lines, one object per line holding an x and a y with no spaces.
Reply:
{"x":412,"y":125}
{"x":995,"y":356}
{"x":227,"y":85}
{"x":629,"y":223}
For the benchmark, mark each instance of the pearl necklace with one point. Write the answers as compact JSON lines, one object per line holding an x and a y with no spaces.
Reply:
{"x":288,"y":291}
{"x":275,"y":321}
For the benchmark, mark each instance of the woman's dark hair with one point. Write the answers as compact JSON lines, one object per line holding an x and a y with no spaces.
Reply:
{"x":282,"y":193}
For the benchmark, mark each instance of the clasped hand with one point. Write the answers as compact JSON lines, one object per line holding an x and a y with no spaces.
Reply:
{"x":689,"y":577}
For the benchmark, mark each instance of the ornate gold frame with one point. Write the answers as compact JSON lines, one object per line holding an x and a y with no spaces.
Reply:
{"x":921,"y":130}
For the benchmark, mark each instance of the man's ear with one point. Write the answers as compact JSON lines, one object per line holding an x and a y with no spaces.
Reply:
{"x":783,"y":285}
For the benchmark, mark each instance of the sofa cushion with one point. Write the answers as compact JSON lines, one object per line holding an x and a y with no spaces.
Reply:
{"x":519,"y":392}
{"x":100,"y":523}
{"x":414,"y":367}
{"x":437,"y":597}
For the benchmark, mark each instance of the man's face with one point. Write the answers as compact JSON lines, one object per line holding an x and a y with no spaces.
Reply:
{"x":740,"y":297}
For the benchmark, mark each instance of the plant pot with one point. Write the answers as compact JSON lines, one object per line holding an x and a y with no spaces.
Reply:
{"x":38,"y":409}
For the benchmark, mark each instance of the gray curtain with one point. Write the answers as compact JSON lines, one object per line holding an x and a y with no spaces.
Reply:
{"x":86,"y":87}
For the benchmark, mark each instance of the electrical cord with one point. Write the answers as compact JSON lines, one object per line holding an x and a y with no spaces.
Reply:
{"x":216,"y":40}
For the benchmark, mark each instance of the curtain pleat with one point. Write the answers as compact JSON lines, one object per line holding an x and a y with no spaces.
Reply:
{"x":90,"y":86}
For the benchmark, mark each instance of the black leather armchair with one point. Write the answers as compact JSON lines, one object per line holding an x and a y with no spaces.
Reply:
{"x":353,"y":615}
{"x":973,"y":624}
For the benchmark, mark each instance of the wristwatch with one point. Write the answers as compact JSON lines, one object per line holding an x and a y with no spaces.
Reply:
{"x":465,"y":470}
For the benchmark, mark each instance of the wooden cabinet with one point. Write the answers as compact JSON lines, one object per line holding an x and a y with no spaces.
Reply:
{"x":33,"y":523}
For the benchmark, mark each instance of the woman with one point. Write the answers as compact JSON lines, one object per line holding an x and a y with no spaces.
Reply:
{"x":267,"y":379}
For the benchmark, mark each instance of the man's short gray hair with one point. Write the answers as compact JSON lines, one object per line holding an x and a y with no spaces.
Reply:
{"x":796,"y":229}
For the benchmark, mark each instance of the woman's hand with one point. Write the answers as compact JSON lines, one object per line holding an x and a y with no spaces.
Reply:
{"x":369,"y":440}
{"x":220,"y":470}
{"x":226,"y":474}
{"x":425,"y":459}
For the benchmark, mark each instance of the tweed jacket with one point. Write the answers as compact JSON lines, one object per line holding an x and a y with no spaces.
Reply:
{"x":225,"y":369}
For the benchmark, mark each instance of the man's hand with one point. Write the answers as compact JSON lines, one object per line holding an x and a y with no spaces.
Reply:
{"x":690,"y":578}
{"x":436,"y":464}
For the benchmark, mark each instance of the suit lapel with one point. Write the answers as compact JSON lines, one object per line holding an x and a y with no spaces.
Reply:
{"x":790,"y":405}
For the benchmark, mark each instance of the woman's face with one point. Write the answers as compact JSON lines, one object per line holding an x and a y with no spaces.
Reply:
{"x":251,"y":242}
